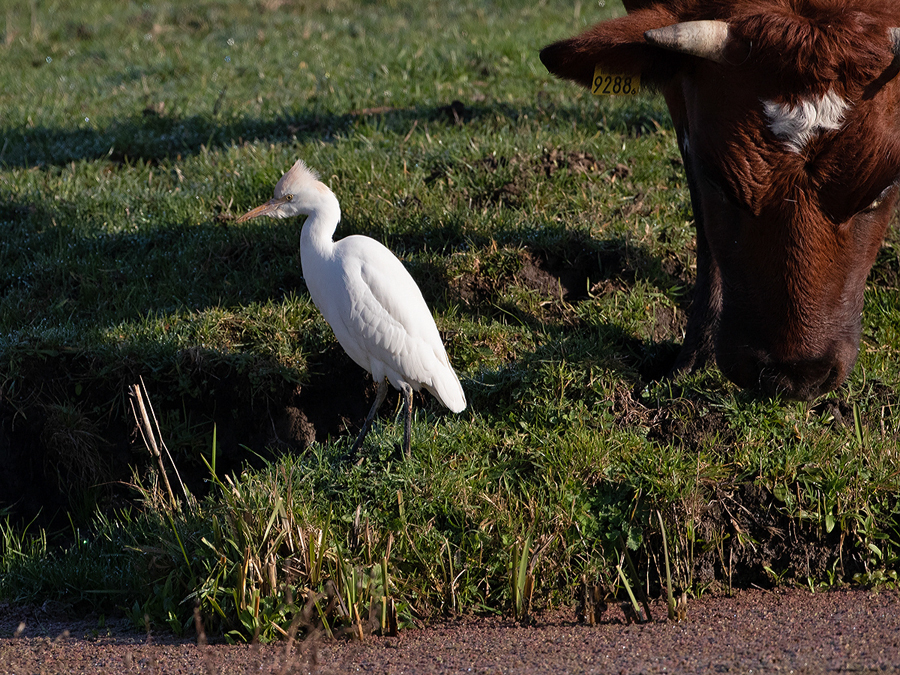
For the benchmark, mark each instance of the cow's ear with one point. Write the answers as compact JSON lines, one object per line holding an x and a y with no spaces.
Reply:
{"x":616,"y":46}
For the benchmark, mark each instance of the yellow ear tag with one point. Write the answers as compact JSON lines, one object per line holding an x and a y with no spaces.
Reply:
{"x":615,"y":84}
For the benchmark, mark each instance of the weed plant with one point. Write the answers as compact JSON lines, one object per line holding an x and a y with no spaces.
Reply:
{"x":549,"y":231}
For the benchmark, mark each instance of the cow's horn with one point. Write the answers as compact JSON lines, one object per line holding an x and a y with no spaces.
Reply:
{"x":706,"y":39}
{"x":895,"y":38}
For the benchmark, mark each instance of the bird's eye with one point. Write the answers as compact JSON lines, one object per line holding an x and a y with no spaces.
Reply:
{"x":289,"y":197}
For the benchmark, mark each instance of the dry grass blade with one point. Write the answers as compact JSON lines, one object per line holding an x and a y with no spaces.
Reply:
{"x":143,"y":423}
{"x":150,"y":433}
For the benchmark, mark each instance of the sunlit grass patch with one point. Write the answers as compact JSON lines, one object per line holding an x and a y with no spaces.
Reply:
{"x":552,"y":236}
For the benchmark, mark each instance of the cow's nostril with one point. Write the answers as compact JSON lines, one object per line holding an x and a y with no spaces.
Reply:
{"x":804,"y":380}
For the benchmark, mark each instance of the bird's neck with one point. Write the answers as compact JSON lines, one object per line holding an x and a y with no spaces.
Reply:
{"x":323,"y":216}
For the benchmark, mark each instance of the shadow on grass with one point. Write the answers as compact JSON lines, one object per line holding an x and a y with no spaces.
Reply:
{"x":55,"y":273}
{"x":58,"y":275}
{"x":151,"y":137}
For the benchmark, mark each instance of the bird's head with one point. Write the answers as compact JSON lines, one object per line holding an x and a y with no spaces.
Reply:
{"x":298,"y":192}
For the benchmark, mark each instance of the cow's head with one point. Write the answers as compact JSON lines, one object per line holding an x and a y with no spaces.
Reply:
{"x":787,"y":114}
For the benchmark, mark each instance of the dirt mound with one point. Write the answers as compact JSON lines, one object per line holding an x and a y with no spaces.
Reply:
{"x":59,"y":455}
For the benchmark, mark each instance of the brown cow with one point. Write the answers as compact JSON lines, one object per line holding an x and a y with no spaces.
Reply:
{"x":787,"y":114}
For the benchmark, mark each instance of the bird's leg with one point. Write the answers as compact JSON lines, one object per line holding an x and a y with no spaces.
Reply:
{"x":407,"y":403}
{"x":380,"y":393}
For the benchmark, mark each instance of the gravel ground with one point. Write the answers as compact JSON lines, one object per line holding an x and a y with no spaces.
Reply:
{"x":786,"y":631}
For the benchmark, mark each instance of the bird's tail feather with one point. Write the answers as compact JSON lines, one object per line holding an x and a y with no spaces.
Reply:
{"x":449,"y":391}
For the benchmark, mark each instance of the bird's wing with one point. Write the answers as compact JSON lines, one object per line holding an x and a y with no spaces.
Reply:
{"x":390,"y":318}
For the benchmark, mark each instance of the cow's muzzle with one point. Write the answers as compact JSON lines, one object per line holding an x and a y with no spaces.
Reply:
{"x":799,"y":379}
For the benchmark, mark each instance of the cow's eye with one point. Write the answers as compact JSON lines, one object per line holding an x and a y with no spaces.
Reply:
{"x":879,"y":200}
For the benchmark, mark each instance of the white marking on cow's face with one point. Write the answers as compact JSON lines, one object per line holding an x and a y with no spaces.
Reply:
{"x":797,"y":125}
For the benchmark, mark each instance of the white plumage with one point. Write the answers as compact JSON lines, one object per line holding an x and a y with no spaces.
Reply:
{"x":371,"y":302}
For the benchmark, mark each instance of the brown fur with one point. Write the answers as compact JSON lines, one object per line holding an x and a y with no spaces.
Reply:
{"x":785,"y":239}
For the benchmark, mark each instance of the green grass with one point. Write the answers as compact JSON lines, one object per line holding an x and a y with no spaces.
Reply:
{"x":549,"y":231}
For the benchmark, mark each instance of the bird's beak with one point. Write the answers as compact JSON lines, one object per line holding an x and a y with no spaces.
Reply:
{"x":265,"y":210}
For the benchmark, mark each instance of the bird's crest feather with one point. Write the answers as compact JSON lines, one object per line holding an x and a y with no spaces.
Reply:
{"x":295,"y":179}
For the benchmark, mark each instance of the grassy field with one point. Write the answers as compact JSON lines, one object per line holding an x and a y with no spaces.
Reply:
{"x":550,"y":233}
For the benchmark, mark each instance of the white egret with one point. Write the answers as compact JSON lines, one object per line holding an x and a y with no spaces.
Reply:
{"x":371,"y":302}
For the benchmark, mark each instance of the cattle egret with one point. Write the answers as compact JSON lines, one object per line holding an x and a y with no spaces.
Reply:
{"x":371,"y":302}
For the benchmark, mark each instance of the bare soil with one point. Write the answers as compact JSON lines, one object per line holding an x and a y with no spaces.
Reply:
{"x":755,"y":631}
